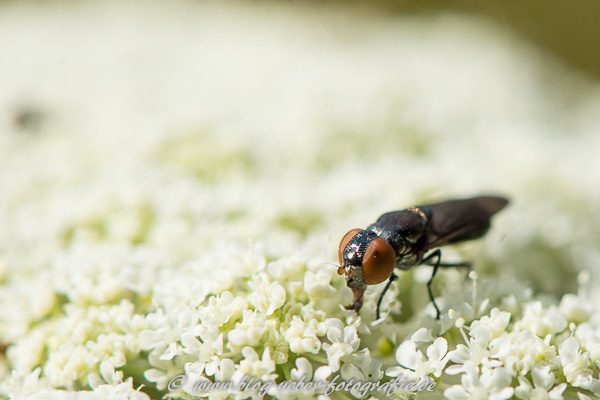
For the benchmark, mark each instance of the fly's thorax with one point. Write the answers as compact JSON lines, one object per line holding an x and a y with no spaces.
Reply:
{"x":402,"y":230}
{"x":409,"y":260}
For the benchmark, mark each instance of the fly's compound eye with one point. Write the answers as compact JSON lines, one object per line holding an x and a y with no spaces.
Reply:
{"x":379,"y":262}
{"x":344,"y":242}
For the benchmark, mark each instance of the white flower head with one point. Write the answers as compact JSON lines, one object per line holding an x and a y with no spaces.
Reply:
{"x":589,"y":337}
{"x":575,"y":364}
{"x":122,"y":391}
{"x":408,"y":356}
{"x":344,"y":342}
{"x":520,"y":351}
{"x":262,"y":368}
{"x":575,"y":308}
{"x":317,"y":285}
{"x":220,"y":309}
{"x":493,"y":384}
{"x":202,"y":343}
{"x":302,"y":336}
{"x":496,"y":323}
{"x":542,"y":388}
{"x":305,"y":369}
{"x":278,"y":345}
{"x":249,"y":332}
{"x":266,"y":296}
{"x":541,"y":321}
{"x":476,"y":350}
{"x":361,"y":367}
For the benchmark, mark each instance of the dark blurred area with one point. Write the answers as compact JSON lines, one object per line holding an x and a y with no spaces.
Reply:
{"x":568,"y":29}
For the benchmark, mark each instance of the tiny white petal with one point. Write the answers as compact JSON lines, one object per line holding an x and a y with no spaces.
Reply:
{"x":556,"y":393}
{"x":502,"y":394}
{"x":456,"y":392}
{"x":322,"y":373}
{"x":422,"y":335}
{"x":438,"y":349}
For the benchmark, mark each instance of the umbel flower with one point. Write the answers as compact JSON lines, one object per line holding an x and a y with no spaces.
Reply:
{"x":168,"y":221}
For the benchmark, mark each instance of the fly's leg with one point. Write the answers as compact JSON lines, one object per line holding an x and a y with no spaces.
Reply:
{"x":428,"y":260}
{"x":387,"y":286}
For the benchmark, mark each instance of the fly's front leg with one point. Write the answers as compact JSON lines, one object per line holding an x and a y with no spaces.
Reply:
{"x":393,"y":277}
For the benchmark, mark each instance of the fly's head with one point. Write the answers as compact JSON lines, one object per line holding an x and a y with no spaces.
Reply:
{"x":365,"y":259}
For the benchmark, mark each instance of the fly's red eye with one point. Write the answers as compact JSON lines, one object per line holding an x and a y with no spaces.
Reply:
{"x":379,"y":262}
{"x":344,"y":242}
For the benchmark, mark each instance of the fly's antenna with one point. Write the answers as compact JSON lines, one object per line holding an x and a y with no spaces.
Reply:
{"x":340,"y":268}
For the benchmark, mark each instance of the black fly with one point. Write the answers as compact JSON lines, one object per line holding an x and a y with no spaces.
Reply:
{"x":401,"y":239}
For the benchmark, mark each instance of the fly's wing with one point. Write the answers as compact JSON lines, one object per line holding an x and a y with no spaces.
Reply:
{"x":460,"y":220}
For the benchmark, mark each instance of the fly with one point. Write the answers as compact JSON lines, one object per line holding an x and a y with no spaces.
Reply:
{"x":407,"y":238}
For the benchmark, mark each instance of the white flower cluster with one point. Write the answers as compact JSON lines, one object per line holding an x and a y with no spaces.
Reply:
{"x":172,"y":197}
{"x":537,"y":354}
{"x":263,"y":332}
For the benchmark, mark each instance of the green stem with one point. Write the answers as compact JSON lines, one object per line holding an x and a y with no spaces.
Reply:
{"x":317,"y":359}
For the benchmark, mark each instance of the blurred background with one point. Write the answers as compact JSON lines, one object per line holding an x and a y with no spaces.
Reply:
{"x":181,"y":125}
{"x":139,"y":138}
{"x":350,"y":110}
{"x":566,"y":30}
